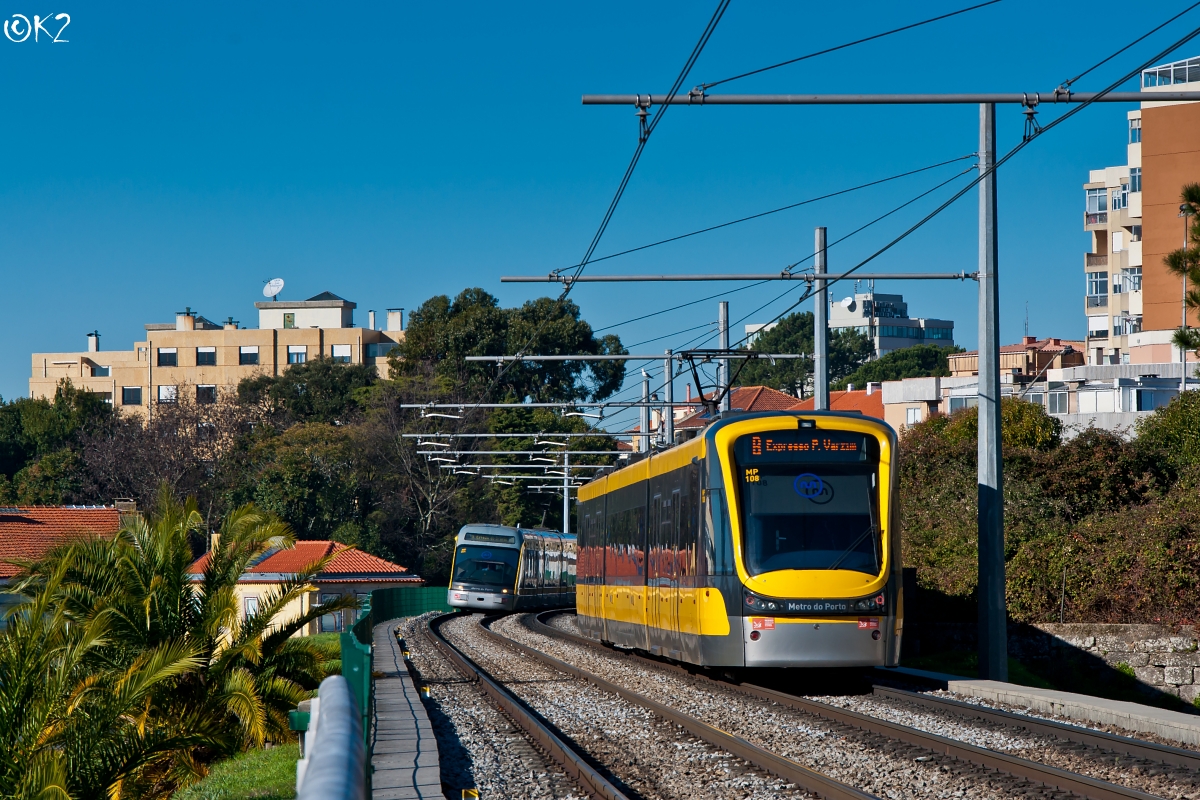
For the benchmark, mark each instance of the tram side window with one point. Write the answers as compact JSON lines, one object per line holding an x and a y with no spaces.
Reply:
{"x":624,"y":557}
{"x":532,"y":566}
{"x":719,"y":538}
{"x":570,"y":564}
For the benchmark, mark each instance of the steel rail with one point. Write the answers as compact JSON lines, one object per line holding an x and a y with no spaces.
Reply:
{"x":1122,"y":745}
{"x":1032,"y":771}
{"x":572,"y":762}
{"x":789,"y":770}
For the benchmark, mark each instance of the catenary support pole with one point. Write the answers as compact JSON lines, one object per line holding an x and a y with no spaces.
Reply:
{"x":668,"y":423}
{"x":993,"y":618}
{"x":566,"y":526}
{"x":644,"y":441}
{"x":820,"y":325}
{"x":723,"y":364}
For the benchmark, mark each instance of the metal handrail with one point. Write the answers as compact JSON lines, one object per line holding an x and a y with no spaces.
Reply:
{"x":336,"y":764}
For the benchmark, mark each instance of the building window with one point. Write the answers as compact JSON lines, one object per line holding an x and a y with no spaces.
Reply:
{"x":1097,"y":201}
{"x":297,"y":353}
{"x":1120,"y":197}
{"x":362,"y":598}
{"x":251,"y":606}
{"x":1118,"y":241}
{"x":206,"y":356}
{"x":206,"y":395}
{"x":167,"y":357}
{"x":1125,"y":325}
{"x":1132,"y":277}
{"x":131,"y":395}
{"x":1135,"y":131}
{"x":340,"y":353}
{"x":1058,"y":402}
{"x":1035,"y":398}
{"x":959,"y":403}
{"x":944,"y":334}
{"x":101,"y":372}
{"x":912,"y":416}
{"x":1135,"y":179}
{"x":1135,"y":233}
{"x":330,"y":623}
{"x":1097,"y":284}
{"x":898,"y":332}
{"x":167,"y":394}
{"x":383,"y":348}
{"x":248,"y":355}
{"x":289,"y":320}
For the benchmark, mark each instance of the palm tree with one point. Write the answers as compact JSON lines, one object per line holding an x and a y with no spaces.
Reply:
{"x":248,"y":672}
{"x":72,"y":729}
{"x":1185,"y":262}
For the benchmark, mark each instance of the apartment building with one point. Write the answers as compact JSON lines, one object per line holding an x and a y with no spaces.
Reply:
{"x":884,"y":318}
{"x":1029,"y":358}
{"x":1133,"y":304}
{"x":195,"y":354}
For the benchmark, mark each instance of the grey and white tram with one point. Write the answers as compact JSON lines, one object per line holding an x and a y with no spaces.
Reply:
{"x":498,"y":568}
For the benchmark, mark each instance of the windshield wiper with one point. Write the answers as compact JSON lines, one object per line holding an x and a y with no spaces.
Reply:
{"x":845,"y":553}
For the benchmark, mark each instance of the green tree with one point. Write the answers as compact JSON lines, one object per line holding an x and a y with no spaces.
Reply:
{"x":443,"y":332}
{"x":1172,"y":433}
{"x":31,"y":428}
{"x":1021,"y":425}
{"x":321,"y":390}
{"x":918,"y":361}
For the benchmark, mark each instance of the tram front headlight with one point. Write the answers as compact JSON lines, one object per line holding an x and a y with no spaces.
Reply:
{"x":760,"y":603}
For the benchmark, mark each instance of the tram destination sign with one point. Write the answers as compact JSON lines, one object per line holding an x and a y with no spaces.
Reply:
{"x":789,"y":447}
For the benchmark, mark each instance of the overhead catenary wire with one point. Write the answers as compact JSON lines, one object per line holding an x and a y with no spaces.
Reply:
{"x":642,"y":140}
{"x":702,"y":87}
{"x":787,"y":207}
{"x":999,"y":162}
{"x":1067,"y":84}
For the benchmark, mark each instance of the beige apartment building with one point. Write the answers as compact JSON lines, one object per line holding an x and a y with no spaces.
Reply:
{"x":197,"y":355}
{"x":1133,"y":303}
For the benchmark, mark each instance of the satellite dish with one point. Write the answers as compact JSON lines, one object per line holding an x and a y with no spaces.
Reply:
{"x":273,"y":287}
{"x":848,"y":303}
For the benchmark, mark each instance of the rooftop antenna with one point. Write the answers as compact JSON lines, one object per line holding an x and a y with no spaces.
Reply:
{"x":273,"y":288}
{"x":1026,"y":317}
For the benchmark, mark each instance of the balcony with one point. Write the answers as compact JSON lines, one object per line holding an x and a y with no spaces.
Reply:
{"x":1095,"y":259}
{"x":1098,"y":218}
{"x":1097,"y":301}
{"x":1097,"y":334}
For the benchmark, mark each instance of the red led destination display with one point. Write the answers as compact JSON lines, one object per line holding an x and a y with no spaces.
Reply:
{"x":801,"y":445}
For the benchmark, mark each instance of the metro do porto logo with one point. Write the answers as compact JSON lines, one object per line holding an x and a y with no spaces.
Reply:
{"x":811,"y":487}
{"x":18,"y":28}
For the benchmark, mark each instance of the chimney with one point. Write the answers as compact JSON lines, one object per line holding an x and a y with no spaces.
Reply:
{"x":395,"y":319}
{"x":873,"y":387}
{"x":371,"y":319}
{"x":94,"y":342}
{"x":1028,"y":340}
{"x":230,"y":324}
{"x":689,"y":393}
{"x":185,"y":320}
{"x":849,"y":387}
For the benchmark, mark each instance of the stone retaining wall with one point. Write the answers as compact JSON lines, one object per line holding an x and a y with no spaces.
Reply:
{"x":1167,"y":659}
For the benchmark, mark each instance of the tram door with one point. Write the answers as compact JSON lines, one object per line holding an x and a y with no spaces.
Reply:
{"x":674,"y":567}
{"x":657,"y":614}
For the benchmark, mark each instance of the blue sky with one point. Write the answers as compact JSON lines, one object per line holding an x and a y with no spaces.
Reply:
{"x":180,"y":154}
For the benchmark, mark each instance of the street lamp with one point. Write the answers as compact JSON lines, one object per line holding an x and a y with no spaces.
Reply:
{"x":1185,"y":211}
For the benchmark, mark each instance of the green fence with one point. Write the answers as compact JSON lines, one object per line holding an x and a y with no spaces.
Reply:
{"x":380,"y":606}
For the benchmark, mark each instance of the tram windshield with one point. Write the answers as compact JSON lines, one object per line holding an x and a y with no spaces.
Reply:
{"x":809,"y":500}
{"x":486,"y":566}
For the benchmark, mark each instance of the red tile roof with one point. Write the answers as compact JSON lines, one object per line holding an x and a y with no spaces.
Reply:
{"x":869,"y":405}
{"x":1052,"y":345}
{"x":743,"y":398}
{"x":28,"y":532}
{"x":349,"y":564}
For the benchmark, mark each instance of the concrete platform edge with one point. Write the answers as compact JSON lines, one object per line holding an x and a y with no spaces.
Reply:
{"x":1173,"y":725}
{"x":408,"y":766}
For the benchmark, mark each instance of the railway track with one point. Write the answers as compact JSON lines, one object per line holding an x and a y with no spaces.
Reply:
{"x":1039,"y":776}
{"x":564,"y":748}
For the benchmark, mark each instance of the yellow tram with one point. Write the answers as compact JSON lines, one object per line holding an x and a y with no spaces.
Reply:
{"x":769,"y":540}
